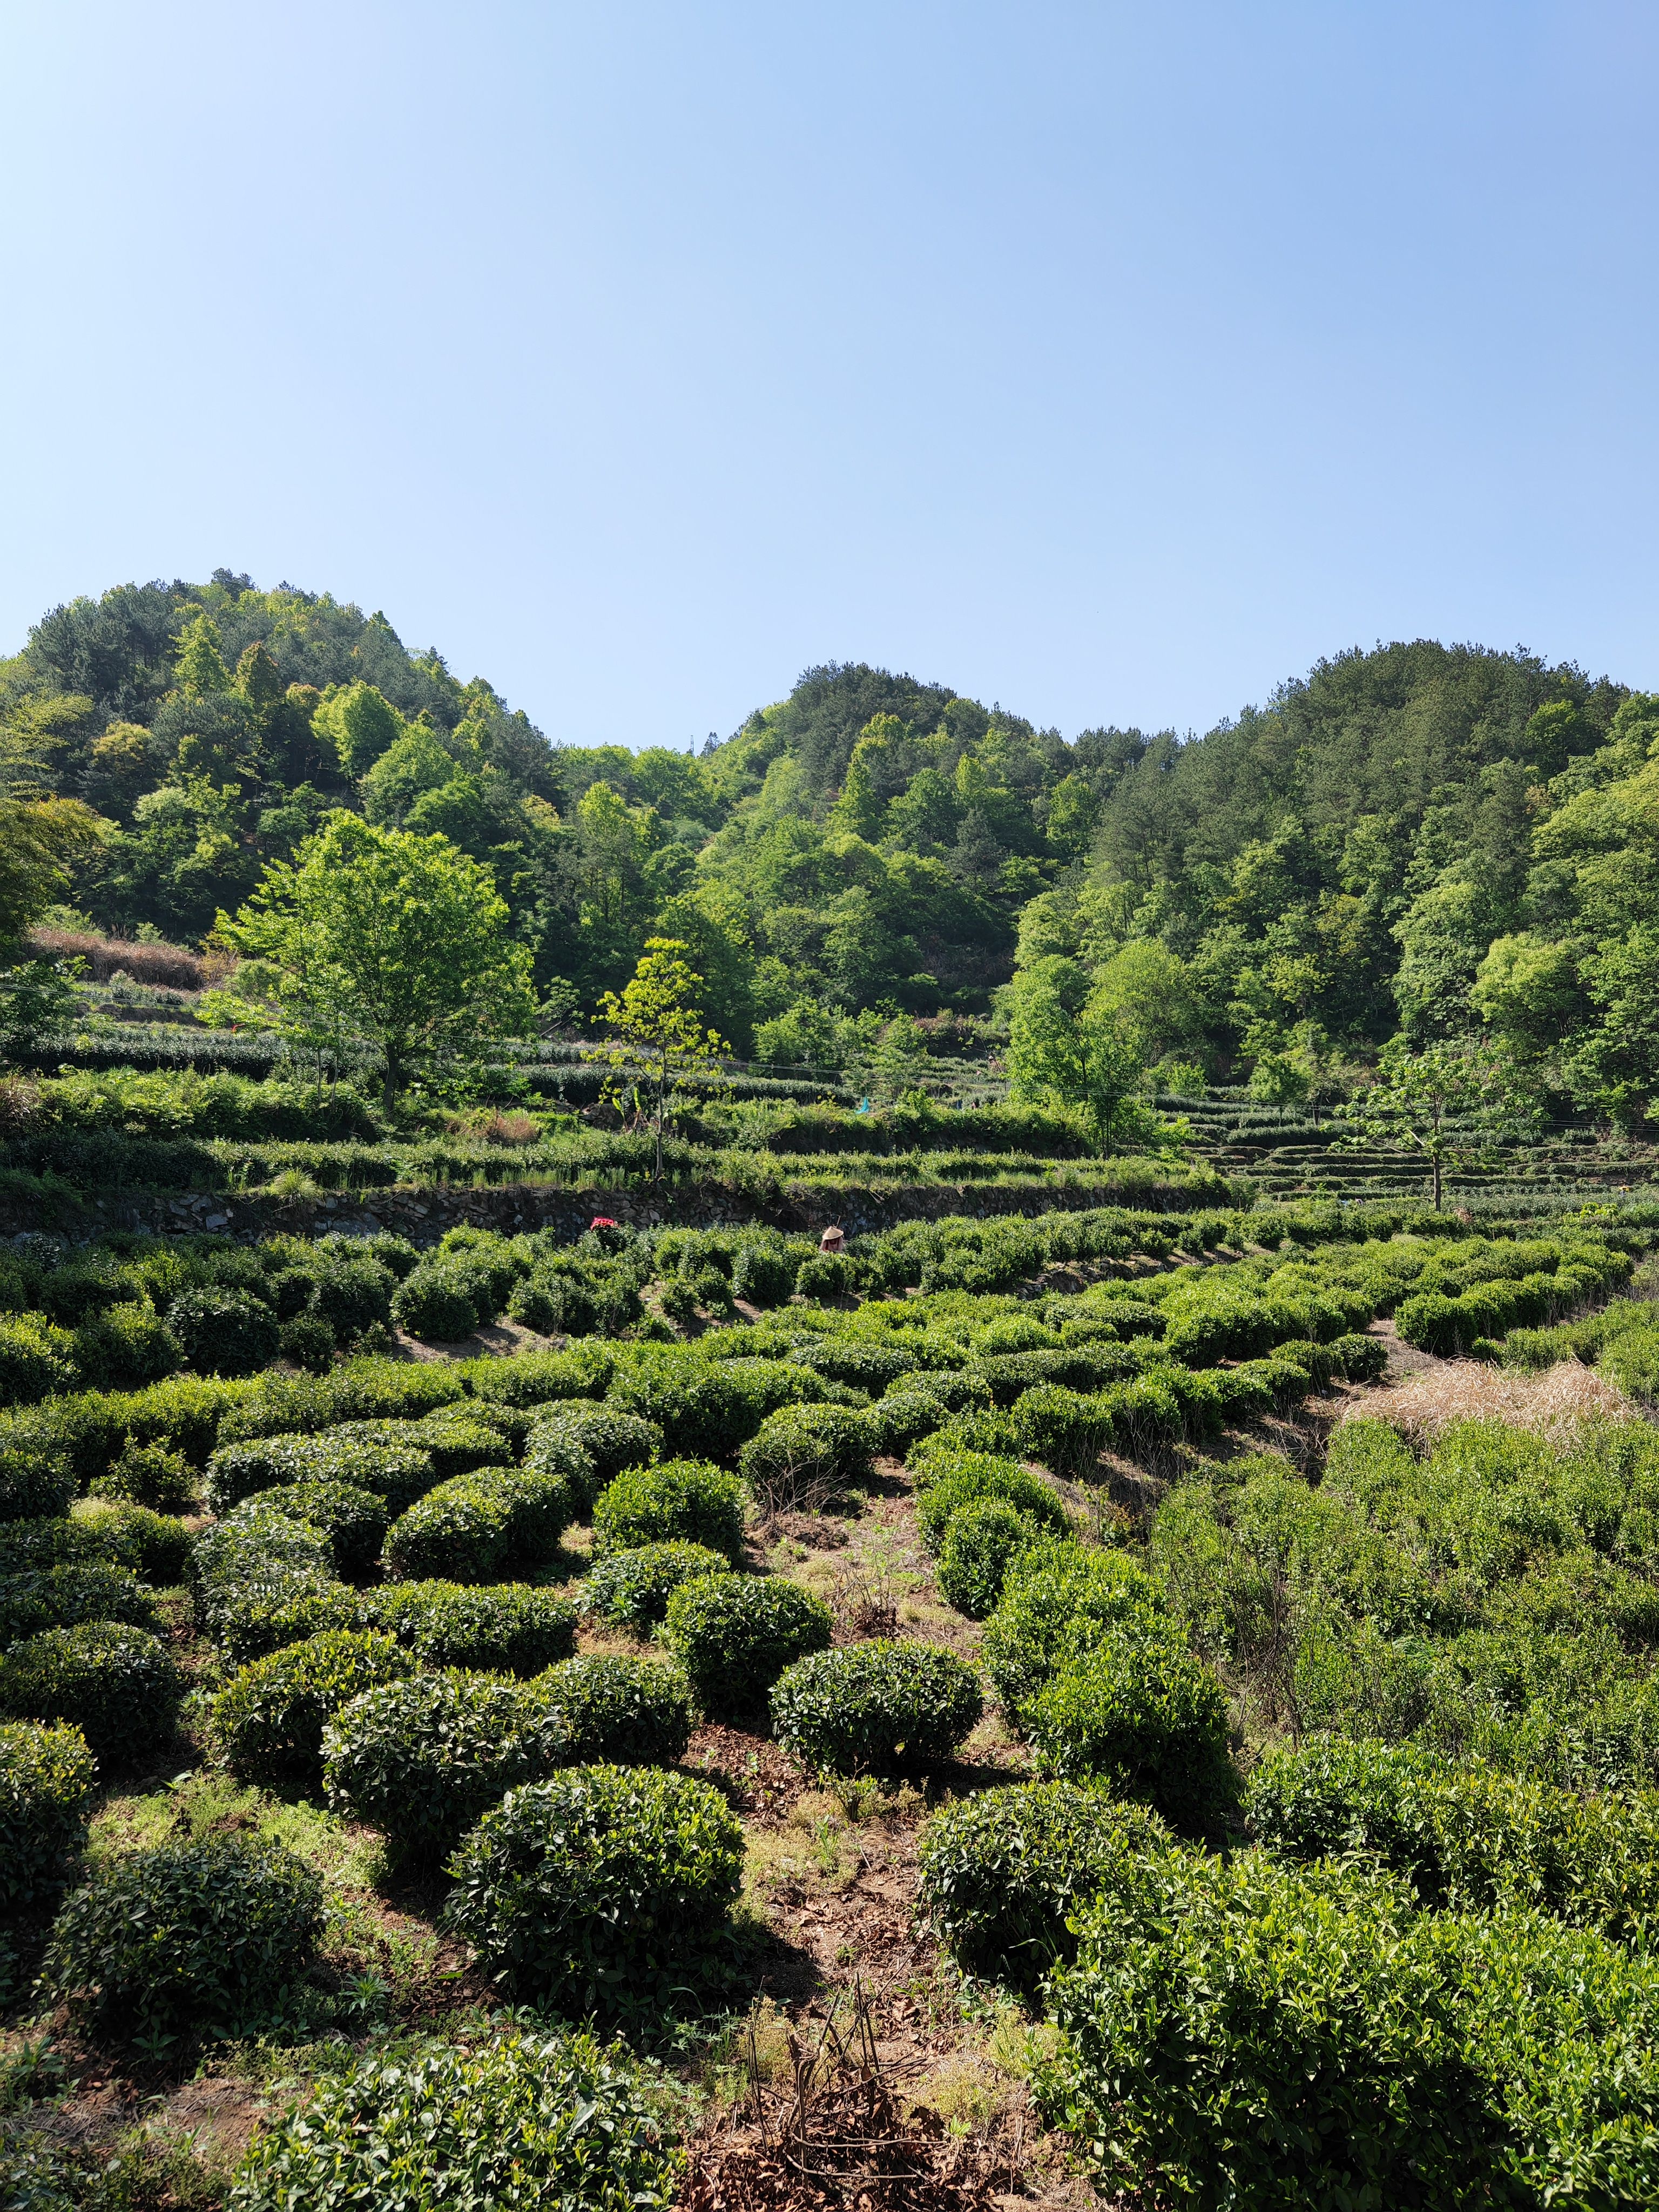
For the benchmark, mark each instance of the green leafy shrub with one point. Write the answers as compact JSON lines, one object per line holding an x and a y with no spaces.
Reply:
{"x":803,"y":1456}
{"x":35,"y":1358}
{"x":188,"y":1939}
{"x":48,"y":1779}
{"x":1359,"y":1358}
{"x":1147,"y":1717}
{"x":422,"y":1758}
{"x":1005,"y":1872}
{"x":633,"y":1588}
{"x":151,"y":1475}
{"x":1260,"y":2037}
{"x":523,"y":2120}
{"x":36,"y":1483}
{"x":977,"y":1475}
{"x":876,"y":1708}
{"x":251,"y":1631}
{"x":307,"y":1341}
{"x":610,"y":1441}
{"x":353,"y":1520}
{"x":615,"y":1711}
{"x":157,"y":1546}
{"x":1057,"y":1605}
{"x":240,"y":1571}
{"x":59,"y":1597}
{"x":357,"y":1391}
{"x":907,"y":1414}
{"x":124,"y":1347}
{"x":119,"y":1686}
{"x":223,"y":1332}
{"x":602,"y":1888}
{"x":677,"y":1500}
{"x":474,"y":1528}
{"x":763,"y":1276}
{"x":983,"y":1539}
{"x":864,"y":1364}
{"x":1063,"y":1429}
{"x":735,"y":1634}
{"x":441,"y":1304}
{"x":1075,"y":1369}
{"x":354,"y":1296}
{"x":541,"y":1378}
{"x":269,"y":1717}
{"x":503,"y":1628}
{"x":709,"y":1406}
{"x":963,"y":1391}
{"x":1470,"y":1839}
{"x":554,"y":1453}
{"x":825,"y":1275}
{"x":461,"y":1439}
{"x":390,"y":1458}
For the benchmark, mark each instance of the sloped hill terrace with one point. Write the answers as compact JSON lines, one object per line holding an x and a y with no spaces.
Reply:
{"x":883,"y":1611}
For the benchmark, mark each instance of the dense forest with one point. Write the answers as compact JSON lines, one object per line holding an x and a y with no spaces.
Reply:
{"x":1426,"y":842}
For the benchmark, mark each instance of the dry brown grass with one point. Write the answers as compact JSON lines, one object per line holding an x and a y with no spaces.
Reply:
{"x":172,"y":967}
{"x":1559,"y":1401}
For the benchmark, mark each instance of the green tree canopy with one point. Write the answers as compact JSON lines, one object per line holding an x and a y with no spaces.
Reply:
{"x":658,"y":1030}
{"x":1069,"y":1045}
{"x":395,"y":938}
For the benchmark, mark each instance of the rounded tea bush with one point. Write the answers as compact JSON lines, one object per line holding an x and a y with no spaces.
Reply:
{"x":735,"y":1634}
{"x":269,"y":1717}
{"x":763,"y":1276}
{"x":48,"y":1779}
{"x":353,"y":1520}
{"x":420,"y":1759}
{"x":907,"y":1414}
{"x":35,"y":1483}
{"x":60,"y":1597}
{"x":474,"y":1528}
{"x":441,"y":1304}
{"x":981,"y":1540}
{"x":191,"y":1938}
{"x":612,"y":1440}
{"x":632,"y":1588}
{"x":151,"y":1475}
{"x":223,"y":1332}
{"x":126,"y":1347}
{"x":119,"y":1686}
{"x":554,"y":1452}
{"x":602,"y":1888}
{"x":1059,"y":1602}
{"x":35,"y":1359}
{"x":499,"y":1628}
{"x":614,"y":1712}
{"x":980,"y":1474}
{"x":1148,"y":1719}
{"x":1003,"y":1872}
{"x":684,"y":1500}
{"x":523,"y":2120}
{"x":157,"y":1546}
{"x":307,"y":1341}
{"x":804,"y":1456}
{"x":876,"y":1708}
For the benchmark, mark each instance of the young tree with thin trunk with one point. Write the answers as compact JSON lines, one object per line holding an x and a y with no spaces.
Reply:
{"x":1450,"y":1104}
{"x":658,"y":1030}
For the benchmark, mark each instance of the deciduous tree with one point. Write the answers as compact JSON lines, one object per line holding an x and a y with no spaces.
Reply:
{"x":398,"y":938}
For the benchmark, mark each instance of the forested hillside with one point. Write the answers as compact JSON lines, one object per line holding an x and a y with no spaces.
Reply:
{"x":1427,"y":841}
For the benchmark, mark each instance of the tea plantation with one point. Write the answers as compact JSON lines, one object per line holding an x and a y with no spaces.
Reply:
{"x":466,"y":1696}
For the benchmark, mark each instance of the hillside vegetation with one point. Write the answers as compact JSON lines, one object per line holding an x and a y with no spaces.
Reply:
{"x":1425,"y":842}
{"x":527,"y":1669}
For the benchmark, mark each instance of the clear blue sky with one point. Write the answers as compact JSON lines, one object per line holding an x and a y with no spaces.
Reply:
{"x":1112,"y":361}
